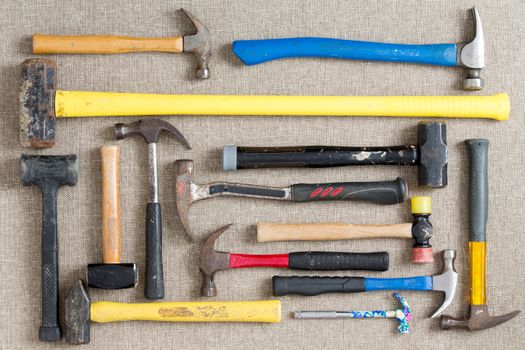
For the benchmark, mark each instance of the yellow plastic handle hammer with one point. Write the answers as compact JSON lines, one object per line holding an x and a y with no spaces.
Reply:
{"x":96,"y":104}
{"x":268,"y":311}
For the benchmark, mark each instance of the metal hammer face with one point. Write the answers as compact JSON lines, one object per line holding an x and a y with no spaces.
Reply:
{"x":472,"y":56}
{"x":200,"y":45}
{"x":433,"y":154}
{"x":212,"y":261}
{"x":447,"y":281}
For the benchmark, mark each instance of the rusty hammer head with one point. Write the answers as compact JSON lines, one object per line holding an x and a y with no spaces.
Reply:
{"x":200,"y":45}
{"x":212,"y":261}
{"x":150,"y":130}
{"x":77,"y":310}
{"x":471,"y":55}
{"x":478,"y":319}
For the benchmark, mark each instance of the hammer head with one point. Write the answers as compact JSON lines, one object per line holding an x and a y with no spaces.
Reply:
{"x":447,"y":281}
{"x":112,"y":276}
{"x":200,"y":45}
{"x":149,"y":129}
{"x":472,"y":56}
{"x":433,"y":154}
{"x":54,"y":171}
{"x":212,"y":261}
{"x":77,"y":314}
{"x":37,"y":103}
{"x":478,"y":319}
{"x":184,"y":195}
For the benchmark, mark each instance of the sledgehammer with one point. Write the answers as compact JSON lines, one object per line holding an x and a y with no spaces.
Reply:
{"x":41,"y":104}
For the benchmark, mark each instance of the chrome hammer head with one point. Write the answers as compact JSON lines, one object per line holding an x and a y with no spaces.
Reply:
{"x":471,"y":55}
{"x":446,"y":282}
{"x":212,"y":261}
{"x":200,"y":45}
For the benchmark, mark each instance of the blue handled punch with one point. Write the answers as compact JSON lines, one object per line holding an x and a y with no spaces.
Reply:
{"x":470,"y":56}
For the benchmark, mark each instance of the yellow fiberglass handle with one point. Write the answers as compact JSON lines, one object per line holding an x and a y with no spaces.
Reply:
{"x":268,"y":311}
{"x":95,"y":104}
{"x":478,"y":256}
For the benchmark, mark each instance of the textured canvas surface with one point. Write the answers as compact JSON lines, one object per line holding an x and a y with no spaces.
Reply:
{"x":79,"y":214}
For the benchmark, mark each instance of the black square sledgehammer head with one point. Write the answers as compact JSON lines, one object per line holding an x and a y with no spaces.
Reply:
{"x":433,"y":154}
{"x":112,"y":276}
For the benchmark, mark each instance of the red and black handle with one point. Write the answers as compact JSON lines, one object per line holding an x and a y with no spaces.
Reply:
{"x":377,"y":261}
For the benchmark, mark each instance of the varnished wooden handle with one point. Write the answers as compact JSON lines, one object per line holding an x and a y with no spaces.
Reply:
{"x":103,"y":44}
{"x":110,"y":204}
{"x":270,"y":232}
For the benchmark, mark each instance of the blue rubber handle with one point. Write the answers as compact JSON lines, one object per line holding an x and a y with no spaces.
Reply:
{"x":258,"y":51}
{"x":410,"y":283}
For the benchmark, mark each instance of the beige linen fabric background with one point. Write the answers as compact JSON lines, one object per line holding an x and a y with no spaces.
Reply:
{"x":79,"y":207}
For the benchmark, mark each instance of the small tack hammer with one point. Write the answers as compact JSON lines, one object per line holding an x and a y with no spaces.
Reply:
{"x":199,"y":44}
{"x":112,"y":274}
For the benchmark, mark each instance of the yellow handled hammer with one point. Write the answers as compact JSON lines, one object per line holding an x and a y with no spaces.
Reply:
{"x":79,"y":311}
{"x":41,"y":103}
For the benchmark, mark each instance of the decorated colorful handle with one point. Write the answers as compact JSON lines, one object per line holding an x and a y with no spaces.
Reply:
{"x":252,"y":52}
{"x":98,"y":104}
{"x":268,"y":311}
{"x":103,"y":44}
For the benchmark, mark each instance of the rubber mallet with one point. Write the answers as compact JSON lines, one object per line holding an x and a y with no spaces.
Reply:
{"x":420,"y":229}
{"x":41,"y":104}
{"x":111,"y":274}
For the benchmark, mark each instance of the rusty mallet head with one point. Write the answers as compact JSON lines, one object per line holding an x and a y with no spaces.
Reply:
{"x":212,"y":261}
{"x":200,"y":45}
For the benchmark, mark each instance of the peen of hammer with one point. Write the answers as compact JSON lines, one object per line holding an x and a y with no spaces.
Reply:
{"x":49,"y":173}
{"x":420,"y":230}
{"x":41,"y":104}
{"x":212,"y":261}
{"x":111,"y":274}
{"x":79,"y":311}
{"x":199,"y":44}
{"x":188,"y":192}
{"x":430,"y":155}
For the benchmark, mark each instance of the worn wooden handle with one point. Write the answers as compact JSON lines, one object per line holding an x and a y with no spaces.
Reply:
{"x":103,"y":44}
{"x":110,"y":204}
{"x":270,"y":232}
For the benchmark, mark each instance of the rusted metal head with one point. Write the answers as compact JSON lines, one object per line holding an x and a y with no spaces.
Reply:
{"x":200,"y":45}
{"x":150,"y":130}
{"x":77,"y":314}
{"x":447,"y":281}
{"x":478,"y":319}
{"x":51,"y":171}
{"x":212,"y":261}
{"x":184,"y":195}
{"x":433,"y":154}
{"x":37,"y":103}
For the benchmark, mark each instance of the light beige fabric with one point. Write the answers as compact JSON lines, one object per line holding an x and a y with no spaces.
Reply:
{"x":79,"y":207}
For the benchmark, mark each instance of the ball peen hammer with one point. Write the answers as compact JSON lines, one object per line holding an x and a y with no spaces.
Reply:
{"x":80,"y":311}
{"x":49,"y":173}
{"x":111,"y":274}
{"x":199,"y":44}
{"x":470,"y":55}
{"x":420,"y":229}
{"x":212,"y":261}
{"x":479,"y":317}
{"x":150,"y":130}
{"x":41,"y":104}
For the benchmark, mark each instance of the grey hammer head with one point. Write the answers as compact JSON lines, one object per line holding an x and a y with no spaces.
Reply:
{"x":77,"y":310}
{"x":150,"y":130}
{"x":200,"y":45}
{"x":471,"y":55}
{"x":433,"y":154}
{"x":447,"y":281}
{"x":478,"y":319}
{"x":212,"y":261}
{"x":49,"y":171}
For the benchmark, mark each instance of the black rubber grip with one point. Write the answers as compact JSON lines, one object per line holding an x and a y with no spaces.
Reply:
{"x":377,"y":261}
{"x":154,"y":288}
{"x":478,"y":188}
{"x":380,"y":192}
{"x":324,"y":156}
{"x":304,"y":285}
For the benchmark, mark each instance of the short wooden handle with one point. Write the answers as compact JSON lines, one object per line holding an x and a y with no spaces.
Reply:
{"x":110,"y":204}
{"x":268,"y":311}
{"x":271,"y":232}
{"x":103,"y":44}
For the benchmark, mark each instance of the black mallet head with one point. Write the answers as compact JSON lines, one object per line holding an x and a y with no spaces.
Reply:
{"x":112,"y":276}
{"x":433,"y":154}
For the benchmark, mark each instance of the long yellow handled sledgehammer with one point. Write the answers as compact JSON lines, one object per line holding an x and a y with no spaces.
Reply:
{"x":41,"y":103}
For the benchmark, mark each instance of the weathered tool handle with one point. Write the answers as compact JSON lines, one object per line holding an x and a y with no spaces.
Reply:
{"x":325,"y":261}
{"x":267,"y":311}
{"x":304,"y":285}
{"x":316,"y":156}
{"x":110,"y":203}
{"x":50,"y":329}
{"x":103,"y":44}
{"x":273,"y":232}
{"x":379,"y":192}
{"x":243,"y":190}
{"x":99,"y":104}
{"x":478,"y":188}
{"x":154,"y":285}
